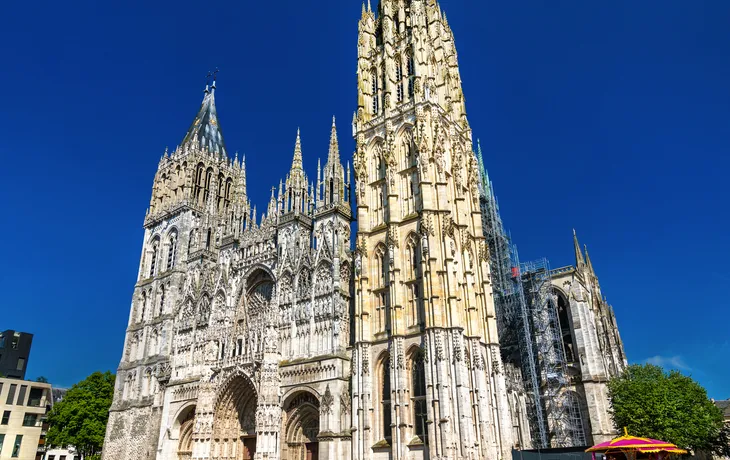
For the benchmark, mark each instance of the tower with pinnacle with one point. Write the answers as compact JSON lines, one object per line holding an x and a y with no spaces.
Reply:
{"x":239,"y":325}
{"x":427,"y":374}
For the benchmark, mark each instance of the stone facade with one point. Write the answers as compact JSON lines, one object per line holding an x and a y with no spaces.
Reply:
{"x":271,"y":339}
{"x":238,"y":331}
{"x":427,"y":375}
{"x":593,"y":348}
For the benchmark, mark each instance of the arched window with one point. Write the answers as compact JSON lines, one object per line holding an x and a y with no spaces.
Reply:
{"x":208,"y":180}
{"x":192,"y":241}
{"x":227,"y":199}
{"x":411,"y":75}
{"x":207,"y":240}
{"x":198,"y":183}
{"x":143,"y":306}
{"x":385,"y":400}
{"x":418,"y":396}
{"x":172,"y":251}
{"x":332,"y":191}
{"x":565,"y":331}
{"x":153,"y":260}
{"x":162,"y":300}
{"x":220,"y":195}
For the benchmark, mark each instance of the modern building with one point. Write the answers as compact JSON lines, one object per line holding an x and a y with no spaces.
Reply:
{"x":14,"y":353}
{"x":269,"y":338}
{"x":23,"y":406}
{"x":62,"y":454}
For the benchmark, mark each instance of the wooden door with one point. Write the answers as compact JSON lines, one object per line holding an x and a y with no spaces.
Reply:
{"x":249,"y":448}
{"x":312,"y":451}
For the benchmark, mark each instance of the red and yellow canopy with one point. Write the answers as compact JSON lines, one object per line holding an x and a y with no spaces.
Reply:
{"x":635,"y":443}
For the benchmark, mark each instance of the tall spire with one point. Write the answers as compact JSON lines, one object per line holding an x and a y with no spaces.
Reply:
{"x":334,"y":152}
{"x":297,"y":163}
{"x":205,"y":131}
{"x":588,"y":260}
{"x":579,"y":261}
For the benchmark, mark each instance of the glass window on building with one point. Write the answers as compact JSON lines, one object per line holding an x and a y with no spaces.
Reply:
{"x":16,"y":446}
{"x":21,"y":364}
{"x":2,"y":440}
{"x":35,"y":396}
{"x":6,"y":417}
{"x":21,"y":395}
{"x":11,"y":394}
{"x":30,"y":419}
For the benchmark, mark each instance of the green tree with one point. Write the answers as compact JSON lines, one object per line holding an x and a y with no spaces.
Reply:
{"x":41,"y":379}
{"x":79,"y":419}
{"x":669,"y":406}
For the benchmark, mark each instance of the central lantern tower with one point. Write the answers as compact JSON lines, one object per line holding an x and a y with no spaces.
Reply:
{"x":427,"y":372}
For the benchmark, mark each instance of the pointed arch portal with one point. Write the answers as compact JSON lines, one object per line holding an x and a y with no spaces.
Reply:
{"x":234,"y":424}
{"x":301,"y":428}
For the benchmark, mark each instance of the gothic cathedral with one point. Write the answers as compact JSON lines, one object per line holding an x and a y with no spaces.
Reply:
{"x":282,"y":336}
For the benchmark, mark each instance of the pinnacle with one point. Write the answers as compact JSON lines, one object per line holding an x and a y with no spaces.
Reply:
{"x":297,"y":163}
{"x":334,"y":151}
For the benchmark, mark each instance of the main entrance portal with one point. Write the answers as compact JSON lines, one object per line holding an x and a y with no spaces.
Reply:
{"x":234,"y":423}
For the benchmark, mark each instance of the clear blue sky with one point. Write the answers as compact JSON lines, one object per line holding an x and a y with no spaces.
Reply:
{"x":610,"y":117}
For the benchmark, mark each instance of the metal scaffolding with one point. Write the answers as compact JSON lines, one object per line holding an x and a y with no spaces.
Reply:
{"x":529,"y":330}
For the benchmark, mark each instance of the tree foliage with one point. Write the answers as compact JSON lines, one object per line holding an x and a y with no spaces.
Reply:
{"x":79,"y":419}
{"x":41,"y":379}
{"x":668,"y":406}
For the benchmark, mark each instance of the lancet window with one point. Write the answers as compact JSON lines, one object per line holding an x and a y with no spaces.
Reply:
{"x":172,"y":251}
{"x":153,"y":257}
{"x":411,"y":75}
{"x":418,"y":396}
{"x":385,"y":400}
{"x":375,"y":90}
{"x":198,"y":183}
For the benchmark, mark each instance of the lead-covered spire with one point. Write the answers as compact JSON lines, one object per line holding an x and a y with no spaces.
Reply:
{"x":205,"y":131}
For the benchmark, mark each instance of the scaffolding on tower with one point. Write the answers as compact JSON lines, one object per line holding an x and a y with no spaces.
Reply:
{"x":528,"y":327}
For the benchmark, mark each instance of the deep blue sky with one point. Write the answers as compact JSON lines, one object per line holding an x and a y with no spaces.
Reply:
{"x":610,"y":117}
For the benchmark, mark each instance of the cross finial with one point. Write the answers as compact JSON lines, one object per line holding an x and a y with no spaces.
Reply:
{"x":207,"y":78}
{"x":215,"y":72}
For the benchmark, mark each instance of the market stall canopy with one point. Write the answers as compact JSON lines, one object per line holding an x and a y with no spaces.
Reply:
{"x":635,"y":443}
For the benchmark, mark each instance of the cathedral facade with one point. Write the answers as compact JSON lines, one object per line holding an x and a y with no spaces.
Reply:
{"x":284,"y":336}
{"x":238,"y":335}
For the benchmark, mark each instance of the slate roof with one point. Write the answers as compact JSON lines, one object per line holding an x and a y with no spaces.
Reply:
{"x":724,"y":407}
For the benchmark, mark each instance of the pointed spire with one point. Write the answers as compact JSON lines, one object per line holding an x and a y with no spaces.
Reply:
{"x":588,"y":260}
{"x":334,"y":152}
{"x":297,"y":163}
{"x":579,"y":261}
{"x":205,"y":131}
